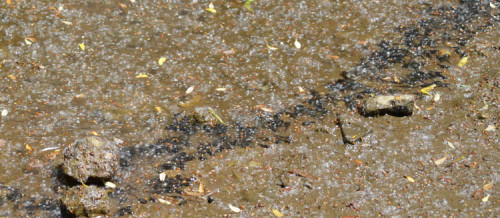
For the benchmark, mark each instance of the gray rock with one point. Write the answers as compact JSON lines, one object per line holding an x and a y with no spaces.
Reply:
{"x":202,"y":115}
{"x":92,"y":157}
{"x":86,"y":201}
{"x":395,"y":105}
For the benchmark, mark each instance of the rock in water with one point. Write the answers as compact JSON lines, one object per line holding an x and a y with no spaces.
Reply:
{"x":92,"y":157}
{"x":86,"y":201}
{"x":395,"y":105}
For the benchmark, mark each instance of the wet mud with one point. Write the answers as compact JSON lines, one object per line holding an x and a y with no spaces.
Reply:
{"x":254,"y":112}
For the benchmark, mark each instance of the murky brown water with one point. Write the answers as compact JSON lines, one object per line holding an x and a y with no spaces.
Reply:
{"x":53,"y":92}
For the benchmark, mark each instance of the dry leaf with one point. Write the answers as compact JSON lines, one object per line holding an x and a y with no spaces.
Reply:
{"x":211,"y":8}
{"x":485,"y":199}
{"x":161,"y":60}
{"x":158,"y":109}
{"x":277,"y":213}
{"x":297,"y":44}
{"x":82,"y":46}
{"x":488,"y":186}
{"x":490,"y":128}
{"x":220,"y":89}
{"x":271,"y":47}
{"x":201,"y":188}
{"x":263,"y":108}
{"x":163,"y":201}
{"x":8,"y":2}
{"x":463,"y":61}
{"x":12,"y":77}
{"x":142,"y":76}
{"x":94,"y":133}
{"x":451,"y":145}
{"x":5,"y":112}
{"x":427,"y":89}
{"x":110,"y":185}
{"x":28,"y":147}
{"x":410,"y":179}
{"x":162,"y":176}
{"x":190,"y":89}
{"x":234,"y":209}
{"x":440,"y":161}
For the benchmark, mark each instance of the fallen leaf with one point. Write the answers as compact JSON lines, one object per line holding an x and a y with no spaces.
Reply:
{"x":158,"y":109}
{"x":410,"y":179}
{"x":463,"y":61}
{"x":201,"y":188}
{"x":490,"y":128}
{"x":277,"y":213}
{"x":162,"y":176}
{"x":263,"y":108}
{"x":220,"y":89}
{"x":437,"y":97}
{"x":247,"y":5}
{"x":440,"y":161}
{"x":8,"y":2}
{"x":94,"y":133}
{"x":161,"y":61}
{"x":67,"y":22}
{"x":142,"y":76}
{"x":485,"y":199}
{"x":82,"y":46}
{"x":190,"y":89}
{"x":110,"y":185}
{"x":28,"y":42}
{"x":164,"y":201}
{"x":488,"y":186}
{"x":427,"y":89}
{"x":234,"y":209}
{"x":451,"y":145}
{"x":271,"y":48}
{"x":12,"y":77}
{"x":5,"y":112}
{"x":297,"y":44}
{"x":211,"y":8}
{"x":28,"y":147}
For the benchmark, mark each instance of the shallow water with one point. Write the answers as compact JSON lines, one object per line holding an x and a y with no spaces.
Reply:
{"x":56,"y":92}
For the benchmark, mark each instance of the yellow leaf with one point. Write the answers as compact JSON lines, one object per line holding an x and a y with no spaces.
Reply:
{"x":12,"y":77}
{"x":28,"y":147}
{"x":271,"y":48}
{"x":142,"y":76}
{"x":463,"y":61}
{"x":440,"y":161}
{"x":410,"y":179}
{"x":211,"y":8}
{"x":161,"y":61}
{"x":8,"y":2}
{"x":94,"y":133}
{"x":158,"y":108}
{"x":277,"y":213}
{"x":82,"y":46}
{"x":201,"y":188}
{"x":488,"y":186}
{"x":247,"y":5}
{"x":427,"y":89}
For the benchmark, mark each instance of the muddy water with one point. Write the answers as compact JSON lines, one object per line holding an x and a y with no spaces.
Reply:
{"x":72,"y":69}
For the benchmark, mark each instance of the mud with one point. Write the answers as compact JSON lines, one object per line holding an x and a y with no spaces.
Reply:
{"x":289,"y":138}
